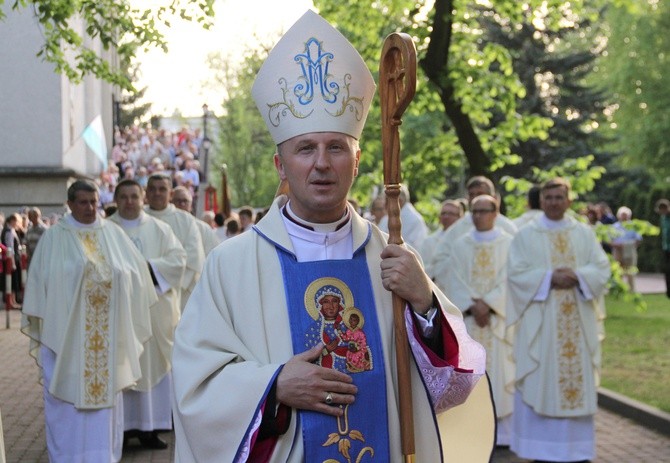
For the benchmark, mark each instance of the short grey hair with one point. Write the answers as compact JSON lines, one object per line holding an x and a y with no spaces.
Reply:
{"x":81,"y":185}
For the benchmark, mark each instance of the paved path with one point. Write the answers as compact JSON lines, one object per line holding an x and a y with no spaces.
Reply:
{"x":619,"y":440}
{"x":650,"y":283}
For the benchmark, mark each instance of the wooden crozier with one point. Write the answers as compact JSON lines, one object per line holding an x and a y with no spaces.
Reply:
{"x":397,"y":84}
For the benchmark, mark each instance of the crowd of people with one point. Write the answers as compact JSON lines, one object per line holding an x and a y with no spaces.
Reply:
{"x":114,"y":299}
{"x":139,"y":152}
{"x":531,"y":290}
{"x":274,"y":339}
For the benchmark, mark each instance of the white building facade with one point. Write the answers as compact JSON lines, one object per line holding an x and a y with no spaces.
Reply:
{"x":42,"y":117}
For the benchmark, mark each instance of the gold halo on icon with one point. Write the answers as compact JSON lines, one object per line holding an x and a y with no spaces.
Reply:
{"x":316,"y":285}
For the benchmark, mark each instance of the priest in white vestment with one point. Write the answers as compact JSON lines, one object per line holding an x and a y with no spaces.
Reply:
{"x":182,"y":199}
{"x":557,"y":274}
{"x":450,"y":212}
{"x":477,"y":284}
{"x":291,"y":358}
{"x":476,"y":186}
{"x":86,"y":311}
{"x":183,"y":224}
{"x":147,"y":405}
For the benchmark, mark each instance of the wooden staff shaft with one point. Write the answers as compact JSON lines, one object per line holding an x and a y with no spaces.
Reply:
{"x":397,"y":84}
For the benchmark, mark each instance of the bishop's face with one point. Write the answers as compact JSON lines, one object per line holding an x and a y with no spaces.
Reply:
{"x":129,"y":200}
{"x":320,"y":168}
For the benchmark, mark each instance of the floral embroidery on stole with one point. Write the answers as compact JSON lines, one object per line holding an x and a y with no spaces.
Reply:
{"x":97,"y":289}
{"x":482,"y":279}
{"x":570,"y":374}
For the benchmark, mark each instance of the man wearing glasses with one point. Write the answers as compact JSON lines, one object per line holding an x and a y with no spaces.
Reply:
{"x":476,"y":186}
{"x":450,"y":212}
{"x":476,"y":284}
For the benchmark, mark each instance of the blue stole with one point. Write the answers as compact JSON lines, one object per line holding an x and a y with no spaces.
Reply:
{"x":332,"y":301}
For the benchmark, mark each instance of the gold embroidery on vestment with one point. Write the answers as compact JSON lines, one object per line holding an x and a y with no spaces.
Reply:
{"x":570,"y":374}
{"x":97,"y":294}
{"x":343,"y":438}
{"x":483,"y":273}
{"x":483,"y":279}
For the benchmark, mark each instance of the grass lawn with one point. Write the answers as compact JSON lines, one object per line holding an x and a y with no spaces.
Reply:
{"x":636,"y":350}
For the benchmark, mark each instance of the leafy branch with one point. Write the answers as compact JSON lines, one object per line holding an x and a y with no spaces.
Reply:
{"x":88,"y":37}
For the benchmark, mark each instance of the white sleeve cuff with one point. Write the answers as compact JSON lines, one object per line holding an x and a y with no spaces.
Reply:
{"x":426,"y":325}
{"x":543,"y":291}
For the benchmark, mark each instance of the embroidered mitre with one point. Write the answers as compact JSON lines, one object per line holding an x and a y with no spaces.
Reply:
{"x":313,"y":81}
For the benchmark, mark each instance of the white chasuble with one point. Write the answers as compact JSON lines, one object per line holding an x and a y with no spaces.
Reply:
{"x":234,"y":337}
{"x":184,"y":226}
{"x":557,"y":347}
{"x":208,"y":236}
{"x":87,"y":300}
{"x":478,"y":271}
{"x":167,"y":258}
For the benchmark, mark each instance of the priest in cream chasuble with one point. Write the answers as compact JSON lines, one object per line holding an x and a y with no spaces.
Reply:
{"x":86,"y":312}
{"x":558,"y":274}
{"x":147,"y":405}
{"x":183,"y":224}
{"x":477,"y":284}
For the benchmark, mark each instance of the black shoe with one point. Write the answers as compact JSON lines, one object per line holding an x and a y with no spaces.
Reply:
{"x":150,"y":440}
{"x":127,"y":435}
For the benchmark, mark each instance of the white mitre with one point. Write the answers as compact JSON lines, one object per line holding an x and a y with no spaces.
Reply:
{"x":313,"y":81}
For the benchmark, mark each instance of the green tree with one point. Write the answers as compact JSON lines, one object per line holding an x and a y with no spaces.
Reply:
{"x":118,"y":26}
{"x":553,"y":66}
{"x":478,"y":107}
{"x":636,"y":69}
{"x":132,"y":109}
{"x":244,"y":144}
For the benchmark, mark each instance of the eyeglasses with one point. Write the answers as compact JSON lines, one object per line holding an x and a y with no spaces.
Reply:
{"x":481,"y":211}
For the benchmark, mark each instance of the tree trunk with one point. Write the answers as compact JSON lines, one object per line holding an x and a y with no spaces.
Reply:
{"x":436,"y":66}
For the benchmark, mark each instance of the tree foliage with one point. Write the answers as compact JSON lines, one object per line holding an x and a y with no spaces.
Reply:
{"x":553,"y":66}
{"x":500,"y":84}
{"x":636,"y":69}
{"x":244,"y":144}
{"x":132,"y":109}
{"x":116,"y":25}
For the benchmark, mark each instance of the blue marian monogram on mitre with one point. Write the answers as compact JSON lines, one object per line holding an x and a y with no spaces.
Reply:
{"x":316,"y":86}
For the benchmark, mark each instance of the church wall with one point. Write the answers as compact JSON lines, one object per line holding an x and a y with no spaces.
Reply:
{"x":42,"y":117}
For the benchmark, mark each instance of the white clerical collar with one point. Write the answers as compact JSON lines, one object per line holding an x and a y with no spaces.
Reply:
{"x":75,"y":223}
{"x":310,"y":245}
{"x":553,"y":224}
{"x":155,"y":212}
{"x":485,"y":236}
{"x":317,"y":227}
{"x":130,"y":223}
